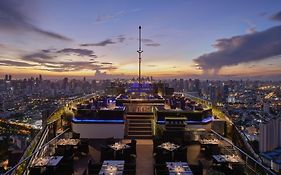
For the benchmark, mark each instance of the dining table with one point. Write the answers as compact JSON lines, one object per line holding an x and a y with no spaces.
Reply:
{"x":117,"y":146}
{"x":112,"y":167}
{"x":227,"y":158}
{"x":169,"y":147}
{"x":178,"y":168}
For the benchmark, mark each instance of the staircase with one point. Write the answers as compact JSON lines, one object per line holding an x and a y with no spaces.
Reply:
{"x":140,"y":126}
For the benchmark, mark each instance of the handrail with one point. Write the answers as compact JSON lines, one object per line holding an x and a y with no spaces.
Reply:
{"x":26,"y":159}
{"x":22,"y":160}
{"x":38,"y":142}
{"x":257,"y":156}
{"x":233,"y":124}
{"x":237,"y":148}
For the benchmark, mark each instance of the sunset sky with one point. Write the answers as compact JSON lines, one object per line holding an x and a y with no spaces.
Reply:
{"x":181,"y":38}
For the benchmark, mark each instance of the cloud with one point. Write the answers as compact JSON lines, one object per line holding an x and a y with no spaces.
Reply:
{"x":251,"y":26}
{"x":51,"y":34}
{"x":46,"y":60}
{"x":151,"y":65}
{"x":106,"y":63}
{"x":150,"y":42}
{"x":80,"y":65}
{"x":251,"y":30}
{"x":13,"y":17}
{"x":99,"y":74}
{"x":242,"y":49}
{"x":38,"y":57}
{"x":78,"y":52}
{"x":153,"y":44}
{"x":14,"y":63}
{"x":121,"y":38}
{"x":48,"y":55}
{"x":252,"y":66}
{"x":102,"y":43}
{"x":102,"y":18}
{"x":276,"y":16}
{"x":145,"y":40}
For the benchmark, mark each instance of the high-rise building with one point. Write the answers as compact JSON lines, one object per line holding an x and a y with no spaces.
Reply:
{"x":270,"y":135}
{"x":266,"y":107}
{"x":6,"y":77}
{"x":225,"y":92}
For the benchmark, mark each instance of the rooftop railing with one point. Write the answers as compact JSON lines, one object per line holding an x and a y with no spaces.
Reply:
{"x":252,"y":166}
{"x":22,"y":166}
{"x":37,"y":144}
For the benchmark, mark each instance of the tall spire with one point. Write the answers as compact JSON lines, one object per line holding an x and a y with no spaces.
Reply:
{"x":139,"y":51}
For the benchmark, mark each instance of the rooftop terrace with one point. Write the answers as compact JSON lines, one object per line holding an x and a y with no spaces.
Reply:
{"x":207,"y":154}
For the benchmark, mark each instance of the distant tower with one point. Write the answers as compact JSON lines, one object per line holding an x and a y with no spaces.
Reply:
{"x":6,"y":77}
{"x":139,"y":51}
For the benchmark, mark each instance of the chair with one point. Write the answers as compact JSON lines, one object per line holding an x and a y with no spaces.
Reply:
{"x":75,"y":135}
{"x":130,"y":168}
{"x":94,"y":168}
{"x":160,"y":166}
{"x":120,"y":155}
{"x":106,"y":153}
{"x":162,"y":156}
{"x":36,"y":171}
{"x":238,"y":169}
{"x":60,"y":151}
{"x":181,"y":154}
{"x":160,"y":169}
{"x":66,"y":167}
{"x":215,"y":149}
{"x":110,"y":141}
{"x":197,"y":169}
{"x":156,"y":143}
{"x":84,"y":148}
{"x":129,"y":172}
{"x":133,"y":146}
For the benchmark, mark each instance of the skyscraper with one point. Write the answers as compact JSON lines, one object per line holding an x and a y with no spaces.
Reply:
{"x":270,"y":135}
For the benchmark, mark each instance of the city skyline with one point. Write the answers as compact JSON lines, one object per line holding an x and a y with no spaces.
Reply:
{"x":218,"y":40}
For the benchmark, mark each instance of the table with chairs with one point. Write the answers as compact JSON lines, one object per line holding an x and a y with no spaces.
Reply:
{"x":178,"y":168}
{"x":171,"y":147}
{"x":68,"y":142}
{"x":118,"y":146}
{"x":47,"y":165}
{"x":112,"y":167}
{"x":210,"y":146}
{"x":230,"y":164}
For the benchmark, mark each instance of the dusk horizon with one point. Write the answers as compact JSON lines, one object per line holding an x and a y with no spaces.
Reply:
{"x":218,"y":40}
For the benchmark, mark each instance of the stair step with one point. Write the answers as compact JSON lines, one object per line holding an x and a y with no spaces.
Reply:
{"x":137,"y":118}
{"x":139,"y":113}
{"x":134,"y":133}
{"x":140,"y":116}
{"x":140,"y":129}
{"x":138,"y":136}
{"x":139,"y":121}
{"x":139,"y":126}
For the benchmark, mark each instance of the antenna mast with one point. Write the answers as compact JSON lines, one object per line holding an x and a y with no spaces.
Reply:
{"x":139,"y":51}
